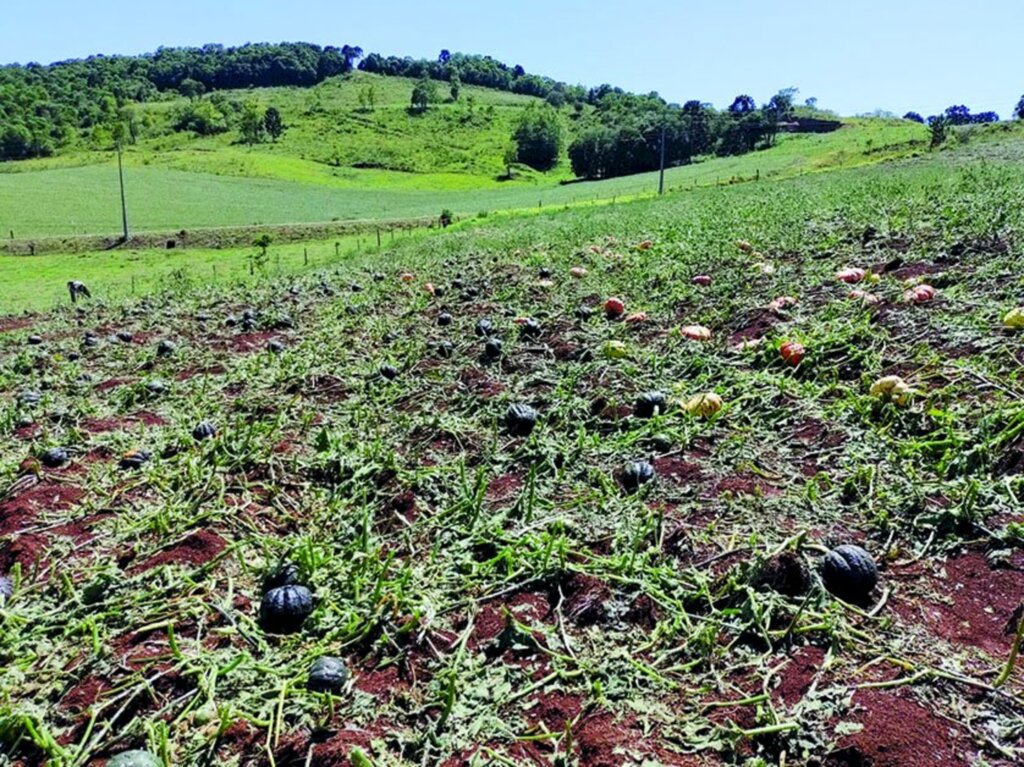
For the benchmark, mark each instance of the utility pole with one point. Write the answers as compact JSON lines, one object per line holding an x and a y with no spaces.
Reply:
{"x":661,"y":171}
{"x":124,"y":206}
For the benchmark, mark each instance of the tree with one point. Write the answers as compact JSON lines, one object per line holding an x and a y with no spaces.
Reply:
{"x":455,"y":81}
{"x":742,"y":105}
{"x":938,"y":131}
{"x":367,"y":98}
{"x":510,"y":157}
{"x":273,"y":124}
{"x":444,"y":57}
{"x":251,"y":124}
{"x":423,"y":93}
{"x":191,"y":89}
{"x":350,"y":53}
{"x":1018,"y":111}
{"x":914,"y":116}
{"x":538,"y":137}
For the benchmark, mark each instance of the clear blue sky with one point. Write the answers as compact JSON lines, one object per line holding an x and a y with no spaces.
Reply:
{"x":854,"y":57}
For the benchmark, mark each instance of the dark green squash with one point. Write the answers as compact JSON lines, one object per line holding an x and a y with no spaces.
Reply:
{"x":135,"y":459}
{"x":285,"y":608}
{"x":327,"y":674}
{"x":288,"y":574}
{"x":124,"y":337}
{"x":850,"y":573}
{"x":204,"y":430}
{"x":35,"y":340}
{"x":54,"y":457}
{"x":134,"y":759}
{"x":520,"y":419}
{"x":274,"y":346}
{"x":635,"y":475}
{"x":493,"y":349}
{"x":484,"y":328}
{"x":388,"y":372}
{"x":650,"y":404}
{"x":530,"y":329}
{"x":165,"y":348}
{"x":444,"y":319}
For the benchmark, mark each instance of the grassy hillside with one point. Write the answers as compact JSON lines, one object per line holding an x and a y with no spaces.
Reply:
{"x":497,"y":595}
{"x":212,"y":183}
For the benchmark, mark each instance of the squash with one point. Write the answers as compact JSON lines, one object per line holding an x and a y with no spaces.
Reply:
{"x":849,"y":572}
{"x":792,"y":352}
{"x":614,"y":307}
{"x":850,"y":276}
{"x":920,"y":294}
{"x":484,"y":328}
{"x":493,"y":349}
{"x":136,"y":758}
{"x":579,"y":272}
{"x":650,"y":404}
{"x":702,"y":279}
{"x":388,"y":372}
{"x":703,"y":405}
{"x":204,"y":430}
{"x":520,"y":419}
{"x":892,"y":388}
{"x":1014,"y":319}
{"x":135,"y":459}
{"x":35,"y":340}
{"x":529,"y":329}
{"x":636,"y":474}
{"x":30,"y":398}
{"x":327,"y":674}
{"x":124,"y":337}
{"x":54,"y":457}
{"x":444,"y":319}
{"x":544,"y":273}
{"x":445,"y":349}
{"x":165,"y":348}
{"x":284,"y":609}
{"x":90,"y":339}
{"x":156,"y":387}
{"x":274,"y":346}
{"x":288,"y":574}
{"x":696,"y":332}
{"x":615,"y":350}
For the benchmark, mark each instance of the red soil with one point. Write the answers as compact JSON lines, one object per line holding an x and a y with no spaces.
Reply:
{"x":553,"y":710}
{"x":111,"y":383}
{"x":975,"y":601}
{"x":899,"y":732}
{"x":480,"y":383}
{"x":586,"y":599}
{"x":333,"y":752}
{"x":504,"y":487}
{"x":745,"y":484}
{"x":248,"y":342}
{"x":795,"y":677}
{"x":7,"y":324}
{"x":197,"y":549}
{"x":676,"y":470}
{"x":84,"y":694}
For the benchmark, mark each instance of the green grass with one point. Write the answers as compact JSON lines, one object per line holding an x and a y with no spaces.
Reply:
{"x":165,"y":195}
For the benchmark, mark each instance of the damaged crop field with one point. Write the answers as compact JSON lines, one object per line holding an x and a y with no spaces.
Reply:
{"x":733,"y":477}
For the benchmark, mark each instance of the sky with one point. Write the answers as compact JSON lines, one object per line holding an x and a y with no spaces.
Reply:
{"x":854,"y":57}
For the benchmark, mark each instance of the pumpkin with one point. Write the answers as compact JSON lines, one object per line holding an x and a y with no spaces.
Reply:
{"x":650,"y":404}
{"x":579,"y":272}
{"x":54,"y":457}
{"x":615,"y":350}
{"x":388,"y":372}
{"x":920,"y":294}
{"x":327,"y":674}
{"x":636,"y":474}
{"x":702,"y":279}
{"x":407,"y":277}
{"x":614,"y":307}
{"x":703,"y":405}
{"x":135,"y":459}
{"x":695,"y":332}
{"x":530,"y":328}
{"x":850,"y":276}
{"x":493,"y":348}
{"x":850,"y":573}
{"x":863,"y":295}
{"x":1014,"y":319}
{"x":444,"y":319}
{"x":787,"y":573}
{"x":6,"y":587}
{"x":284,"y":609}
{"x":204,"y":430}
{"x":165,"y":348}
{"x":520,"y":419}
{"x":134,"y":759}
{"x":892,"y":388}
{"x":792,"y":352}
